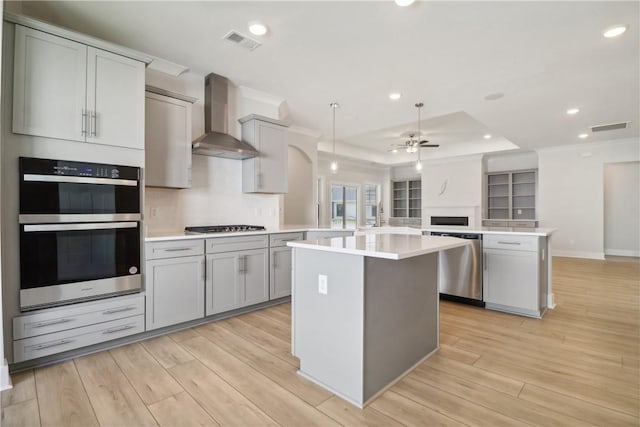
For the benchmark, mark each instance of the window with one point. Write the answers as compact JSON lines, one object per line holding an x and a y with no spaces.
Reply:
{"x":407,"y":199}
{"x":344,"y":206}
{"x":370,"y":204}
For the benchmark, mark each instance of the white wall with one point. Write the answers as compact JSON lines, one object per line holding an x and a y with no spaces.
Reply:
{"x":300,"y":206}
{"x":511,"y":161}
{"x":216,"y":195}
{"x":622,"y":209}
{"x":571,"y":193}
{"x":453,"y":187}
{"x":353,"y":173}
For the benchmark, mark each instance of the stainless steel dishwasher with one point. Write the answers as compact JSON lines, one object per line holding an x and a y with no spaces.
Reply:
{"x":460,"y":270}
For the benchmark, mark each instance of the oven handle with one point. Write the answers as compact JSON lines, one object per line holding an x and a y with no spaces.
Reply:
{"x":74,"y":227}
{"x":79,"y":180}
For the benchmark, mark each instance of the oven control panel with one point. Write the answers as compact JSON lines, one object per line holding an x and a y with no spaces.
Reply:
{"x":30,"y":165}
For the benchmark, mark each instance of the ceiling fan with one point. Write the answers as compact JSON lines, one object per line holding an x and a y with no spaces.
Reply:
{"x":412,"y":144}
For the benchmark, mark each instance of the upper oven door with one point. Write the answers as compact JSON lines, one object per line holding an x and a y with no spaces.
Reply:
{"x":56,"y":191}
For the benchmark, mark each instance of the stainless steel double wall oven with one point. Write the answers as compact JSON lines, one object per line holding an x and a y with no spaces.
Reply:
{"x":80,"y":231}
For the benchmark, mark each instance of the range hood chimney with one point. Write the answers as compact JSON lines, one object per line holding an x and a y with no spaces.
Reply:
{"x":216,"y":141}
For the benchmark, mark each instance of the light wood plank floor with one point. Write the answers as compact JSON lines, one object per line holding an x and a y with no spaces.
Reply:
{"x":579,"y":366}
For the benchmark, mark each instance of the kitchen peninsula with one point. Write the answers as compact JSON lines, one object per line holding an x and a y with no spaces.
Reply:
{"x":365,"y":309}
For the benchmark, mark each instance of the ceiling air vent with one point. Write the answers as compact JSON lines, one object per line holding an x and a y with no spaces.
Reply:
{"x":242,"y":40}
{"x":611,"y":126}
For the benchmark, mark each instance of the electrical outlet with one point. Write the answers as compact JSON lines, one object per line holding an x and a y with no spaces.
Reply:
{"x":322,"y":284}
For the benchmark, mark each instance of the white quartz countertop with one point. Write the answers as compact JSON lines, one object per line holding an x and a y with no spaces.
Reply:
{"x":180,"y":235}
{"x":389,"y":246}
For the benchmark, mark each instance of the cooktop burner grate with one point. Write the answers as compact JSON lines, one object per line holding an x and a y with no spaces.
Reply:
{"x":223,"y":228}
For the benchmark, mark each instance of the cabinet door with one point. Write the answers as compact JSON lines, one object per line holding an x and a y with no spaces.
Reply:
{"x":115,"y":99}
{"x":167,"y":141}
{"x":280,"y":283}
{"x":49,"y":85}
{"x":254,"y":279}
{"x":268,"y":172}
{"x":511,"y":278}
{"x":174,"y":291}
{"x":223,"y":282}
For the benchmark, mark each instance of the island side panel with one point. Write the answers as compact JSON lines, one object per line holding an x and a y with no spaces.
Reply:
{"x":329,"y":328}
{"x":401,"y":317}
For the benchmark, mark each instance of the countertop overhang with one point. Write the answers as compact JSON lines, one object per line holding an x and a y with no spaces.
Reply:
{"x":386,"y":245}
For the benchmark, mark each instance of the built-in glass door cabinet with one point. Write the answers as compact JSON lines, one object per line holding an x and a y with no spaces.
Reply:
{"x":67,"y":90}
{"x":267,"y":172}
{"x":407,"y":199}
{"x":512,"y":196}
{"x":167,"y":139}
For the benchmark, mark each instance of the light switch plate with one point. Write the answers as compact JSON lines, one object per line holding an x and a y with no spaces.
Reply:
{"x":322,"y":284}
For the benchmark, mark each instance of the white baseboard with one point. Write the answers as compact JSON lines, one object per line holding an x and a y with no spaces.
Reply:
{"x":579,"y":254}
{"x":621,"y":252}
{"x":5,"y":379}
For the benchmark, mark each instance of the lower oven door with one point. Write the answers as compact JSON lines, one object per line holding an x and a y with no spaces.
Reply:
{"x":63,"y":263}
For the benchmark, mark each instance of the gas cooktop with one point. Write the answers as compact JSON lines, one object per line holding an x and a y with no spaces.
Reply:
{"x":222,"y":229}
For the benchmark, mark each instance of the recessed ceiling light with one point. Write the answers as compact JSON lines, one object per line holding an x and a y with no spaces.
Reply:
{"x":494,"y":96}
{"x":583,"y":135}
{"x":394,"y":151}
{"x":404,"y":3}
{"x":487,"y":136}
{"x":257,"y":28}
{"x":394,"y":96}
{"x":573,"y":111}
{"x":614,"y":31}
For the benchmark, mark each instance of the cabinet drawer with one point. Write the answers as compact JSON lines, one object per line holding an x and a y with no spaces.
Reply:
{"x":241,"y":243}
{"x":58,"y":342}
{"x":174,"y":248}
{"x":281,"y":239}
{"x":512,"y":242}
{"x":77,"y":315}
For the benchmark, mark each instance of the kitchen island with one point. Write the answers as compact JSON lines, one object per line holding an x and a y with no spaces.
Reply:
{"x":365,"y":309}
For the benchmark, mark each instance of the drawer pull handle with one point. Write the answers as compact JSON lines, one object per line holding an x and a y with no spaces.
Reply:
{"x":177,"y":249}
{"x":53,"y":322}
{"x":122,"y":328}
{"x":289,"y":240}
{"x":119,"y":310}
{"x":509,"y":243}
{"x":53,"y":344}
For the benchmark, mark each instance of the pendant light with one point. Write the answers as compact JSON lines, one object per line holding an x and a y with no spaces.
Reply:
{"x":334,"y":162}
{"x":419,"y":105}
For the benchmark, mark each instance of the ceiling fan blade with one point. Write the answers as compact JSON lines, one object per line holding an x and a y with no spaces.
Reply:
{"x":430,"y":146}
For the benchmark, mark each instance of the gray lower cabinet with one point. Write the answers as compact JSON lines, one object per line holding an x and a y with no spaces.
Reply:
{"x":514,"y":278}
{"x":280,"y":277}
{"x":55,"y":330}
{"x":327,"y":234}
{"x":237,"y":272}
{"x":175,"y":282}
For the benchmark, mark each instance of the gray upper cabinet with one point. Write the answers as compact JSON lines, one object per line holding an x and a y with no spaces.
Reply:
{"x":67,"y":90}
{"x":167,"y":141}
{"x":266,"y":173}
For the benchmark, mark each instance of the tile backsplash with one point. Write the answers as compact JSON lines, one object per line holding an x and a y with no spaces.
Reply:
{"x":215,"y":197}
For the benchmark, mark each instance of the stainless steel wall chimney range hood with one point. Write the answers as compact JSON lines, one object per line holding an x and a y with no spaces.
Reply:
{"x":216,"y":141}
